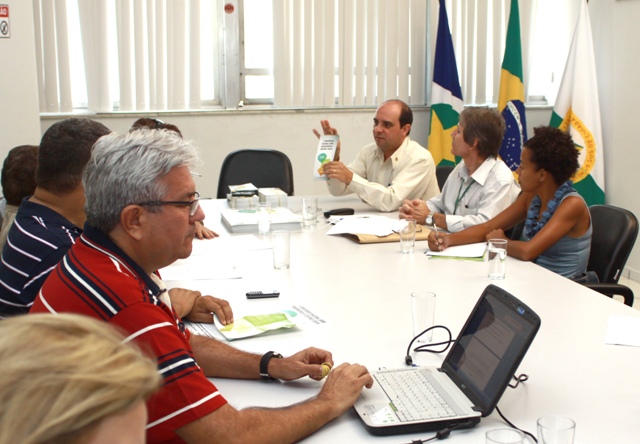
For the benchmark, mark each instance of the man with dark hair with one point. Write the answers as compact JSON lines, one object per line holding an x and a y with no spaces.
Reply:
{"x":387,"y":171}
{"x":406,"y":115}
{"x":151,"y":123}
{"x":47,"y":223}
{"x":479,"y":187}
{"x":18,"y":182}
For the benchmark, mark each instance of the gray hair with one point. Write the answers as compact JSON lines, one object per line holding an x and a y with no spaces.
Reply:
{"x":126,"y":168}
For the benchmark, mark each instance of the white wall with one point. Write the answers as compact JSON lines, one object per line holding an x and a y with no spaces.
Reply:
{"x":217,"y":134}
{"x":620,"y":65}
{"x":19,"y":109}
{"x":615,"y":34}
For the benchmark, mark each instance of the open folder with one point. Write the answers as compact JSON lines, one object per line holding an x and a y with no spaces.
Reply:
{"x":422,"y":233}
{"x":365,"y":229}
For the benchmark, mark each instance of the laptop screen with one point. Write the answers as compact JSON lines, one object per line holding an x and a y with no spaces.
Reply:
{"x":491,"y":346}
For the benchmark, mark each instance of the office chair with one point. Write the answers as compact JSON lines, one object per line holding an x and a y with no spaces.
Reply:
{"x":442,"y":173}
{"x":264,"y":168}
{"x":614,"y":234}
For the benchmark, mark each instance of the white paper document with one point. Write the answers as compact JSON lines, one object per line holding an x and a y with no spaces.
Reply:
{"x":623,"y":330}
{"x":470,"y":251}
{"x":376,"y":225}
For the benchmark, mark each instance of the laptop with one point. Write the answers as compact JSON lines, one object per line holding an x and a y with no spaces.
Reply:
{"x":471,"y":380}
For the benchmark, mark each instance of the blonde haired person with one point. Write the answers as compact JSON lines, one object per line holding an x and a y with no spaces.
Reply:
{"x":70,"y":379}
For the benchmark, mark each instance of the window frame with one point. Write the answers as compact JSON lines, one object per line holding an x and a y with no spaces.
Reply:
{"x":230,"y":78}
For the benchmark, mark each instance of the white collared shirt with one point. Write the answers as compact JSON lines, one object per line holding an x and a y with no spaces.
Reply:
{"x":409,"y":173}
{"x":480,"y":197}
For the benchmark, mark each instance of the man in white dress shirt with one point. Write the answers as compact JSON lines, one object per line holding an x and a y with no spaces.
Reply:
{"x":479,"y":187}
{"x":388,"y":171}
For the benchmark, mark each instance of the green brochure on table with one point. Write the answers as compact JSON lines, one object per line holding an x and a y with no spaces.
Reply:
{"x":252,"y":325}
{"x":256,"y":324}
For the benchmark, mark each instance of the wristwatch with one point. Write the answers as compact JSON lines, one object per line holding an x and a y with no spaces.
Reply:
{"x":429,"y":221}
{"x":264,"y":364}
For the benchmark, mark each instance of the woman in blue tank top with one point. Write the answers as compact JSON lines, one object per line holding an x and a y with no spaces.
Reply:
{"x":557,"y":225}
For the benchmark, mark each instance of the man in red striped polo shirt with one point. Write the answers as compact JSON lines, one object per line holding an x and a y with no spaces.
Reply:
{"x":142,"y":207}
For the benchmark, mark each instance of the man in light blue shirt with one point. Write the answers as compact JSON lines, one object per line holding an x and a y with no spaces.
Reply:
{"x":479,"y":187}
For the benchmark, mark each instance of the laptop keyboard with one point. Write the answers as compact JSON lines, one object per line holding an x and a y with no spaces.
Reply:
{"x":413,"y":395}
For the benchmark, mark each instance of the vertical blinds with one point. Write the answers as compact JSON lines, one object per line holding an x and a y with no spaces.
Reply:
{"x":360,"y":51}
{"x":157,"y":54}
{"x":326,"y":52}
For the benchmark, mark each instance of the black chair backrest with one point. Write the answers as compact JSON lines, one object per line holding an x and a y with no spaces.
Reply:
{"x":264,"y":168}
{"x":614,"y":234}
{"x":442,"y":172}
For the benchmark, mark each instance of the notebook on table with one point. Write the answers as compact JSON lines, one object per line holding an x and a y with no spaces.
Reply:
{"x":471,"y":380}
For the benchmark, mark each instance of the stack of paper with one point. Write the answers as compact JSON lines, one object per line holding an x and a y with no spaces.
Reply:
{"x":246,"y":221}
{"x":275,"y":196}
{"x":242,"y":202}
{"x":243,"y":196}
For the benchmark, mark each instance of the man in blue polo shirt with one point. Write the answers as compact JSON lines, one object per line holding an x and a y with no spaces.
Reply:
{"x":47,"y":223}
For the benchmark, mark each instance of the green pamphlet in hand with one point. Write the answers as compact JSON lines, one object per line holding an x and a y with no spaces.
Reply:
{"x":325,"y":153}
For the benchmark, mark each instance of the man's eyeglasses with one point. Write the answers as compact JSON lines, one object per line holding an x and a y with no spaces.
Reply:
{"x":193,"y":204}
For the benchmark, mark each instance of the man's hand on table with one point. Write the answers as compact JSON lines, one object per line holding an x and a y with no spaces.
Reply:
{"x":191,"y":305}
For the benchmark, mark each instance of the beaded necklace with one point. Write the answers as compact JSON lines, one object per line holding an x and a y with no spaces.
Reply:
{"x":532,"y":225}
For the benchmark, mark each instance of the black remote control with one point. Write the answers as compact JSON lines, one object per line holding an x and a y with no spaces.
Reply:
{"x":339,"y":212}
{"x":262,"y":294}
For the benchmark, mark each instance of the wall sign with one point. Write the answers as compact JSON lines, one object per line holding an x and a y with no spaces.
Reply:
{"x":5,"y":29}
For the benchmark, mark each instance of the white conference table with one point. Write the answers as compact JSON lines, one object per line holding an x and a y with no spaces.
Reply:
{"x":362,"y":292}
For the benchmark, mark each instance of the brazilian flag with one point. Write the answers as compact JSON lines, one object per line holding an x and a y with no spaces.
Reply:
{"x":511,"y":97}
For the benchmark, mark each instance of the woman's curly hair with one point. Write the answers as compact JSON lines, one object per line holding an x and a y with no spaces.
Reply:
{"x":554,"y":151}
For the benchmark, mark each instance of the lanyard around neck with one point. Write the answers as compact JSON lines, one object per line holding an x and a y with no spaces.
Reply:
{"x":459,"y":196}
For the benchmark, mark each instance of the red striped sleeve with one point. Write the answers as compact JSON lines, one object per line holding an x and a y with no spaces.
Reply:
{"x":187,"y":394}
